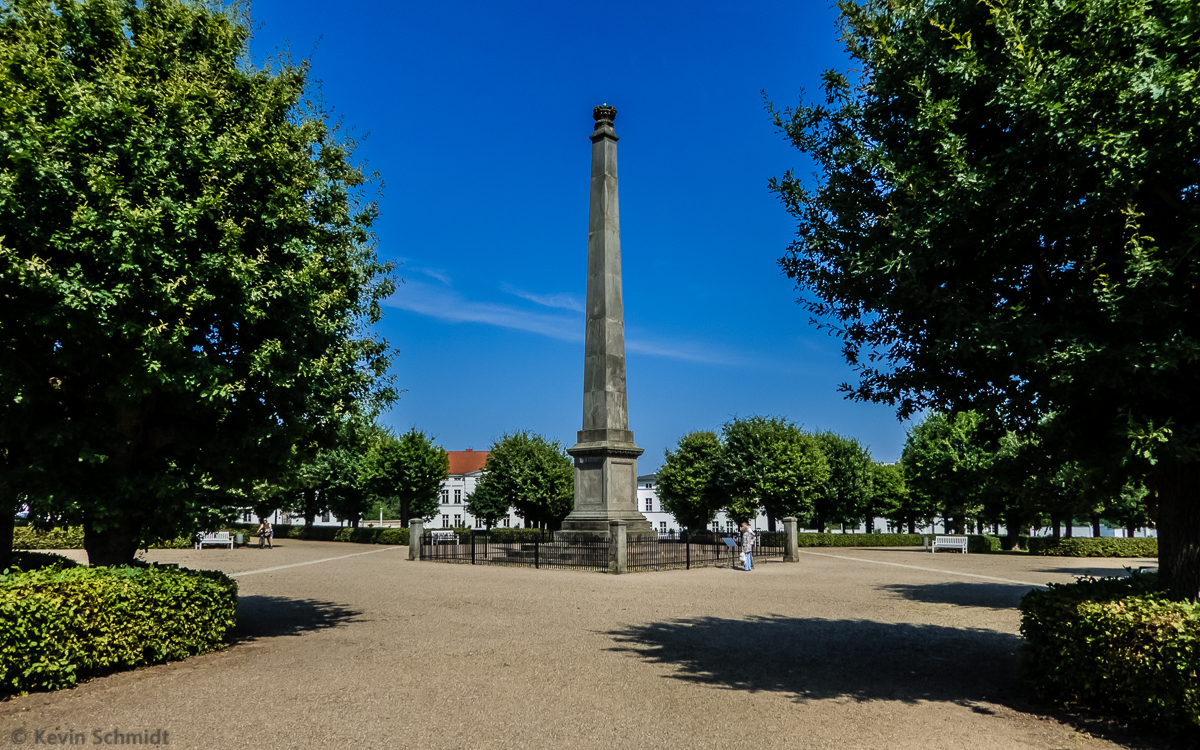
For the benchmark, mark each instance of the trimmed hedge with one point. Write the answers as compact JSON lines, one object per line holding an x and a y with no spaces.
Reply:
{"x":28,"y":537}
{"x":1101,"y":546}
{"x":1115,"y":645}
{"x":59,"y":625}
{"x":361,"y":535}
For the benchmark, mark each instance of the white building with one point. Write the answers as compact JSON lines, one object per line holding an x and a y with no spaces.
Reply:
{"x":466,"y":469}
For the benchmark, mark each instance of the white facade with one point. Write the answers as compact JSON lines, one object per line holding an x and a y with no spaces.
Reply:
{"x":452,"y":510}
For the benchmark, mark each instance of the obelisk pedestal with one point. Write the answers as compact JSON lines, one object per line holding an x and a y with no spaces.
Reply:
{"x":605,"y":456}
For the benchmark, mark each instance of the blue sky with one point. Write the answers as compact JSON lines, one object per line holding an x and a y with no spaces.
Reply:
{"x":477,"y":117}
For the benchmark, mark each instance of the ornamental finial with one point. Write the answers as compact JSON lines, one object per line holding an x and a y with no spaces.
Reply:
{"x":604,"y":115}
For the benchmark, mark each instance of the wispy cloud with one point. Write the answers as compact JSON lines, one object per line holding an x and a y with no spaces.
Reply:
{"x":562,"y":300}
{"x":450,"y":306}
{"x":445,"y":304}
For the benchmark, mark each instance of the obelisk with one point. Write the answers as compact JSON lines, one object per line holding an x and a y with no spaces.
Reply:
{"x":605,"y":456}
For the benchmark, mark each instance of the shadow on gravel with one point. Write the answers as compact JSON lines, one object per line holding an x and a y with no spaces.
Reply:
{"x":986,"y":595}
{"x":814,"y":659}
{"x":272,"y":616}
{"x":862,"y":660}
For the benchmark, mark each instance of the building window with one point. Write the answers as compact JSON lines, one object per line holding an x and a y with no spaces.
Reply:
{"x":325,"y":517}
{"x":506,"y":522}
{"x":478,"y":524}
{"x":246,"y":518}
{"x":445,"y":521}
{"x":457,"y":520}
{"x":662,"y":525}
{"x":458,"y":496}
{"x":649,"y":504}
{"x":445,"y":496}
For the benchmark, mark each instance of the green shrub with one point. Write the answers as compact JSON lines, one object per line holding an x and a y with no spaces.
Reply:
{"x":1103,"y":546}
{"x":61,"y":625}
{"x":343,"y":535}
{"x":1115,"y":645}
{"x":28,"y":537}
{"x":27,"y":561}
{"x":393,"y":536}
{"x":983,"y":544}
{"x":858,"y":540}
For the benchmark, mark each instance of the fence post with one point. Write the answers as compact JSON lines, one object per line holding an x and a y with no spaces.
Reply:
{"x":687,"y":542}
{"x":618,"y":547}
{"x":472,"y":547}
{"x":791,"y":550}
{"x":414,"y":538}
{"x":537,"y":543}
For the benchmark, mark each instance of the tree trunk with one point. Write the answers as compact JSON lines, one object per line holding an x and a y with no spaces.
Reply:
{"x":354,"y":522}
{"x":1129,"y":529}
{"x":310,"y":507}
{"x":404,"y":512}
{"x":770,"y":523}
{"x":7,"y":525}
{"x":1178,"y":520}
{"x":820,"y":520}
{"x":115,"y":545}
{"x":1095,"y":525}
{"x":1070,"y":528}
{"x":912,"y":526}
{"x":1057,"y":529}
{"x":1012,"y":536}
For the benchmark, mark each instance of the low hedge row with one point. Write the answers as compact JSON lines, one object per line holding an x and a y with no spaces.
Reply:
{"x":361,"y":535}
{"x":1115,"y":645}
{"x":1101,"y":546}
{"x":59,"y":625}
{"x":28,"y":537}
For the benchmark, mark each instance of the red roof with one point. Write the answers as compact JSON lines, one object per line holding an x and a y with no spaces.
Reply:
{"x":465,"y":462}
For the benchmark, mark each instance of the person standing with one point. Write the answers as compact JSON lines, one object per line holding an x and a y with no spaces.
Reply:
{"x":264,"y":533}
{"x":747,"y":545}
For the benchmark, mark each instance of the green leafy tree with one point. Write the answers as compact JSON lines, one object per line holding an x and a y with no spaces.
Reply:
{"x":409,"y":468}
{"x":186,"y":266}
{"x":1128,"y":510}
{"x":487,"y":504}
{"x":687,"y":480}
{"x":844,"y":496}
{"x":534,"y":475}
{"x":888,"y":492}
{"x":1006,"y":218}
{"x":945,"y":459}
{"x":769,"y":463}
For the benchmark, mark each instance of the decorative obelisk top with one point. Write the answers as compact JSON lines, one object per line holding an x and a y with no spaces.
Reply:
{"x":605,"y":417}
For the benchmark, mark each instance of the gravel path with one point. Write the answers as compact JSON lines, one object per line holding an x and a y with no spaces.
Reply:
{"x":855,"y":648}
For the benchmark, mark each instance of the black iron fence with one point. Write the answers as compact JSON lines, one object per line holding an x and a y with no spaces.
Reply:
{"x":704,"y":550}
{"x":542,"y":551}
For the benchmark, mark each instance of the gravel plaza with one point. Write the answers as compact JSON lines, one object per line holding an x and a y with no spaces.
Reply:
{"x":354,"y":646}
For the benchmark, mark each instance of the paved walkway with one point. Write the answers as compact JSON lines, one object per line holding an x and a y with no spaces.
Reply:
{"x":352,"y":646}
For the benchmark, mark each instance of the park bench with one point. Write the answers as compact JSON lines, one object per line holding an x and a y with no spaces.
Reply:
{"x":214,"y":537}
{"x":950,"y":542}
{"x":444,"y":537}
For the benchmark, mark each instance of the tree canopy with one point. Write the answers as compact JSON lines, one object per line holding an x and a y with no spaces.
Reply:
{"x":533,"y":474}
{"x":187,"y":267}
{"x":769,"y":463}
{"x":1005,"y":218}
{"x":687,"y":483}
{"x":409,"y":468}
{"x":846,"y":491}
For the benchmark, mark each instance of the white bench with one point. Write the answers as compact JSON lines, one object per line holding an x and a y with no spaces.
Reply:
{"x":444,"y":537}
{"x":950,"y":542}
{"x":214,"y":537}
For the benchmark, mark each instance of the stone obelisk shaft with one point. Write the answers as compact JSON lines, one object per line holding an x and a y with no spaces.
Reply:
{"x":605,"y":456}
